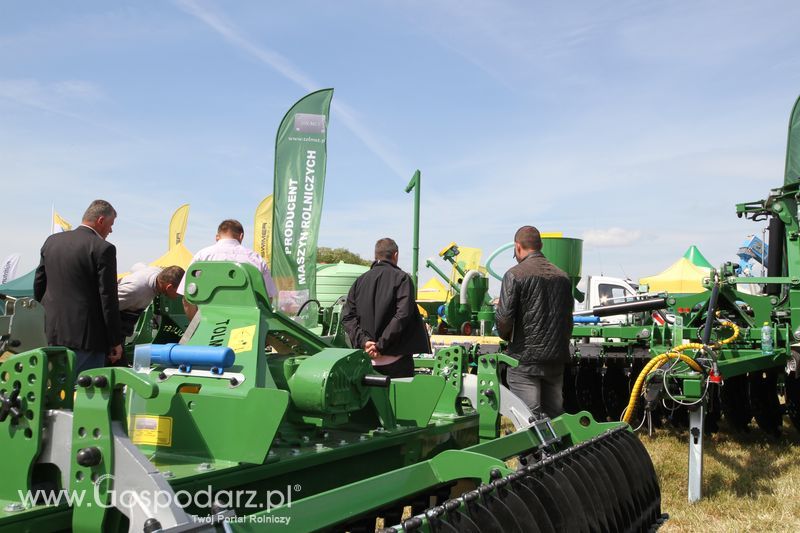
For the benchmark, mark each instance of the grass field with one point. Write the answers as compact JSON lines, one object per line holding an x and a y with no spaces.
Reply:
{"x":751,"y":482}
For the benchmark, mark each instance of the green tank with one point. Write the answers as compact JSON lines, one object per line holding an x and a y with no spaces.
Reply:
{"x":567,"y":255}
{"x":335,"y":279}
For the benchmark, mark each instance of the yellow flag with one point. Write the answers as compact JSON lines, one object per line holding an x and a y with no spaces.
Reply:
{"x":262,"y":230}
{"x":59,"y":224}
{"x":177,"y":226}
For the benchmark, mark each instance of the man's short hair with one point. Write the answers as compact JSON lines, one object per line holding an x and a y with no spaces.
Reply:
{"x":230,"y":227}
{"x":529,"y":238}
{"x":171,"y":275}
{"x":97,"y":209}
{"x":385,"y":249}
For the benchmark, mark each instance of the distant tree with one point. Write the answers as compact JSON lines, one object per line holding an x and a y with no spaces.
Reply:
{"x":334,"y":255}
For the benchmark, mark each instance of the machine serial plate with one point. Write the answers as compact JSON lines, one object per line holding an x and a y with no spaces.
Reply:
{"x":152,"y":430}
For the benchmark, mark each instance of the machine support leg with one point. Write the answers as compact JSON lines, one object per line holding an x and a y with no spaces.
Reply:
{"x":696,"y":419}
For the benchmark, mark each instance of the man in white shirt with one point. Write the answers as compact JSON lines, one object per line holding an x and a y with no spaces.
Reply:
{"x":229,"y":248}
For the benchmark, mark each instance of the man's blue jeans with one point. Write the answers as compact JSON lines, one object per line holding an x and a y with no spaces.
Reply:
{"x":86,"y":360}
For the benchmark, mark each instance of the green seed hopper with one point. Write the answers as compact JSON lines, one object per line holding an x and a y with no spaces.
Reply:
{"x":257,"y":423}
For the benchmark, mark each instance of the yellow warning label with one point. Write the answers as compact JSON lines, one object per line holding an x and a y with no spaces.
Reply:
{"x":152,"y":430}
{"x":241,"y":339}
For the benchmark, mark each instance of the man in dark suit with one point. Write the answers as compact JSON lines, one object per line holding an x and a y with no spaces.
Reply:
{"x":76,"y":281}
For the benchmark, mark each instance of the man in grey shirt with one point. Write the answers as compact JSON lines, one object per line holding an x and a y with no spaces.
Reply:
{"x":137,"y":290}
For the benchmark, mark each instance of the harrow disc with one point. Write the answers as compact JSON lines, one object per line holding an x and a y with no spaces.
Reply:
{"x":793,"y":399}
{"x":764,"y":401}
{"x":735,"y":400}
{"x":588,"y":389}
{"x":616,"y":390}
{"x":604,"y":484}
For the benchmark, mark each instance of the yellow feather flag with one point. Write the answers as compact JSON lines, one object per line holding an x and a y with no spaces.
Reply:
{"x":177,"y":226}
{"x":59,"y":224}
{"x":262,"y":230}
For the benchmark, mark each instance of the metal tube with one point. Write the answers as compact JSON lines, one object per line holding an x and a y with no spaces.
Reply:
{"x":696,"y":419}
{"x":415,"y":184}
{"x":712,"y":307}
{"x":436,"y":269}
{"x":465,"y":285}
{"x":630,"y":307}
{"x":458,"y":268}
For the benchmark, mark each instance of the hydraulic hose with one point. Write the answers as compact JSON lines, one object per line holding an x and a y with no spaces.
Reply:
{"x":675,"y":353}
{"x":654,"y":364}
{"x":730,"y":339}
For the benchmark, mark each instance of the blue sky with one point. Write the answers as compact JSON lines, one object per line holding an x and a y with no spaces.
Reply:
{"x":635,"y":126}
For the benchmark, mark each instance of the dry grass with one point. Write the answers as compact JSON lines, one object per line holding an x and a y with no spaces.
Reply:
{"x":751,"y":482}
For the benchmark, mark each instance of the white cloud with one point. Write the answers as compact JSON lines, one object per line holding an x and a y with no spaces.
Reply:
{"x":48,"y":96}
{"x":59,"y":98}
{"x":79,"y":89}
{"x":610,"y":237}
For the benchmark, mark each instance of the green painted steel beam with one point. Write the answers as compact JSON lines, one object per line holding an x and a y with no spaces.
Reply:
{"x":350,"y":501}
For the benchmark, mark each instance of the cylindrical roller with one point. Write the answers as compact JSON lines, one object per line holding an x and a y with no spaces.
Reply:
{"x":777,"y":239}
{"x":538,"y":511}
{"x":500,"y":510}
{"x":608,"y":494}
{"x":552,"y":502}
{"x":576,"y":493}
{"x":630,"y":307}
{"x":607,"y":483}
{"x":592,"y":488}
{"x":542,"y":482}
{"x":646,"y":474}
{"x":457,"y":516}
{"x":479,"y":514}
{"x":606,"y":463}
{"x":527,"y":514}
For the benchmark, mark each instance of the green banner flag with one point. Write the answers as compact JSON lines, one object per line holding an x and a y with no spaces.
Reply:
{"x":300,"y":155}
{"x":793,"y":147}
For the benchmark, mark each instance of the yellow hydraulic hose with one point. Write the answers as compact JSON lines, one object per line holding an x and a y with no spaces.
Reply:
{"x":675,"y":353}
{"x":730,"y":339}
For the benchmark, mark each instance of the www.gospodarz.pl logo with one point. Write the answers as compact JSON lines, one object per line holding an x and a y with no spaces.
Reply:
{"x":151,"y":501}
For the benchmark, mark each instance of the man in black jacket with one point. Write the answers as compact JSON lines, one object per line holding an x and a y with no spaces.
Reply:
{"x":381,"y":315}
{"x":76,"y":281}
{"x":534,"y":315}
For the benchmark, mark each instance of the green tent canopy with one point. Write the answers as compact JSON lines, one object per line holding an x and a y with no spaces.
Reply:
{"x":21,"y":286}
{"x":696,"y":258}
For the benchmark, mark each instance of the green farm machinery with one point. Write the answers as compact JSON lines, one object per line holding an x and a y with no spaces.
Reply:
{"x":255,"y":422}
{"x":21,"y":324}
{"x":469,"y":311}
{"x":727,"y":352}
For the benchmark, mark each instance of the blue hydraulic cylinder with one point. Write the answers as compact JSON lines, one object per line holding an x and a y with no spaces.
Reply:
{"x":177,"y":354}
